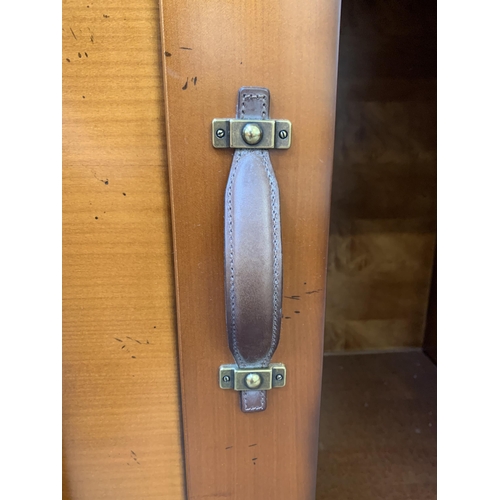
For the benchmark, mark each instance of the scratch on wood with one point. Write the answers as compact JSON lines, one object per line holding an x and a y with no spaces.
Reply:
{"x":293,"y":297}
{"x":73,"y":33}
{"x":185,"y":48}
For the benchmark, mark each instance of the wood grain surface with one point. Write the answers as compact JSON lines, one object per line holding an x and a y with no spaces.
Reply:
{"x":121,"y":429}
{"x":211,"y":49}
{"x":383,"y":221}
{"x":378,"y":428}
{"x":121,"y":432}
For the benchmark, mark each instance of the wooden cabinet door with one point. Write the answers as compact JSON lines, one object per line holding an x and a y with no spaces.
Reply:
{"x":211,"y":49}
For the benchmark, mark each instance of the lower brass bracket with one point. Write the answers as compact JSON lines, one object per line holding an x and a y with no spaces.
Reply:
{"x":253,"y":379}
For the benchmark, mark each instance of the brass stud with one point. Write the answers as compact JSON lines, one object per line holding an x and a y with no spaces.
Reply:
{"x":251,"y":133}
{"x":253,"y":380}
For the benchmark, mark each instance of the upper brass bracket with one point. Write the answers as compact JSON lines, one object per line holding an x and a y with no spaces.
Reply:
{"x":267,"y":134}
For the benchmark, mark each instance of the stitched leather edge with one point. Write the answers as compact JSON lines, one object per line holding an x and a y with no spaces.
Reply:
{"x":261,"y":407}
{"x":262,"y":99}
{"x":229,"y":201}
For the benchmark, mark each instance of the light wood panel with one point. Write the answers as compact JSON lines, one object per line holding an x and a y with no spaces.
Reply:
{"x":121,"y":432}
{"x":383,"y":221}
{"x":378,"y":428}
{"x":210,"y":50}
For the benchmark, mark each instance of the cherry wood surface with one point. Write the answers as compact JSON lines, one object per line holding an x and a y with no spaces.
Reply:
{"x":210,"y":50}
{"x":121,"y":407}
{"x":121,"y":412}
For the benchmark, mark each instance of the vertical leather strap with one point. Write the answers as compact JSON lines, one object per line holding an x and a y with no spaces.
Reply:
{"x":253,"y":257}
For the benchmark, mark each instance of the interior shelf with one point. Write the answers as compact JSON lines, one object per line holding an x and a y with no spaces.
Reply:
{"x":378,"y":427}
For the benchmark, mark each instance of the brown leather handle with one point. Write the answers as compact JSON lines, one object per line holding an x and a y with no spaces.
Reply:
{"x":253,"y":257}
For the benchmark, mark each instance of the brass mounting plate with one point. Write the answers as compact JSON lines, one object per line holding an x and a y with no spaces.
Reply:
{"x":227,"y":133}
{"x":232,"y":377}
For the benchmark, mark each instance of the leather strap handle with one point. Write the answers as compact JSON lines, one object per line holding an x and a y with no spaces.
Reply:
{"x":253,"y":256}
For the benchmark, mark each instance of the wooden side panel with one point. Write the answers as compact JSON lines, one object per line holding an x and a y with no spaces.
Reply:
{"x":430,"y":339}
{"x":210,"y":50}
{"x":383,"y":221}
{"x":121,"y":431}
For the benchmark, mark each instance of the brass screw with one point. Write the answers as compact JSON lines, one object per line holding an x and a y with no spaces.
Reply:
{"x":220,"y":133}
{"x":253,"y":380}
{"x":283,"y":134}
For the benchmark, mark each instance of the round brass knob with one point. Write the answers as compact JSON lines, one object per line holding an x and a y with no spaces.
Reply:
{"x":253,"y":380}
{"x":251,"y":133}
